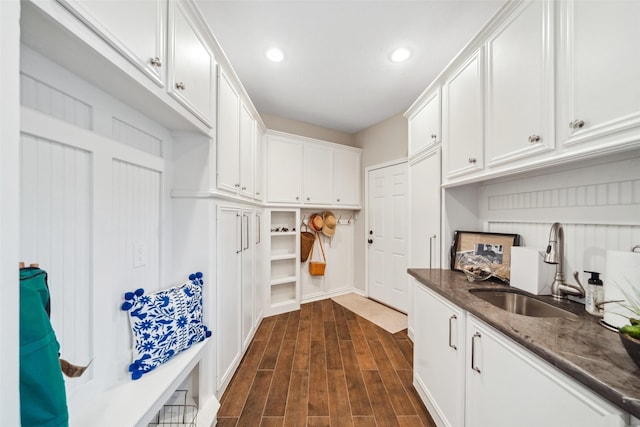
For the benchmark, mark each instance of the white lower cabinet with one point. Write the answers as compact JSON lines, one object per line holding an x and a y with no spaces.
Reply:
{"x":507,"y":385}
{"x":236,"y":294}
{"x":489,"y":380}
{"x":438,"y":360}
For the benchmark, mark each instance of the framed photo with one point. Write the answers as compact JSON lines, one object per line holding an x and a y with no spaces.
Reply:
{"x":495,"y":247}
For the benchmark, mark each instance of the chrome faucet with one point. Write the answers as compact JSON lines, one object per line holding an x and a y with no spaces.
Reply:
{"x":554,"y":255}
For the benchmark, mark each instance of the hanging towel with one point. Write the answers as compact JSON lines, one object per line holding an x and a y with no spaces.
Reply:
{"x":43,"y":401}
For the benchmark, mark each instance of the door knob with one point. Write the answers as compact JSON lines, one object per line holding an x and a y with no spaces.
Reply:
{"x":370,"y":241}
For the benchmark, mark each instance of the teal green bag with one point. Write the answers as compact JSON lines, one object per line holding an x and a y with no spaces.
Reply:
{"x":43,"y":401}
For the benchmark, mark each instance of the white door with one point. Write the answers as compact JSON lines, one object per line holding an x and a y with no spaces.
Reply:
{"x":387,"y":235}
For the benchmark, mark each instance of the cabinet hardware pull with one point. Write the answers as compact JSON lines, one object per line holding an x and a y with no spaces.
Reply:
{"x":472,"y":160}
{"x":534,"y":138}
{"x":247,"y":233}
{"x":576,"y":124}
{"x":338,"y":200}
{"x":297,"y":197}
{"x":308,"y":198}
{"x":473,"y":351}
{"x":259,"y":227}
{"x":243,"y":188}
{"x":431,"y":240}
{"x":237,"y":185}
{"x":155,"y":62}
{"x":434,"y":136}
{"x":453,"y":346}
{"x":180,"y":86}
{"x":241,"y":227}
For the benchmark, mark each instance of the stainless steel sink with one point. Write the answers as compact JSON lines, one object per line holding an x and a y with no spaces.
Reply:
{"x":519,"y":303}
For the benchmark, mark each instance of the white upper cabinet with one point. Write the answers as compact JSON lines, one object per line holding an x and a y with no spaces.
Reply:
{"x":520,"y":85}
{"x":312,"y":172}
{"x":284,"y":170}
{"x":600,"y":88}
{"x":136,"y":29}
{"x":259,"y":162}
{"x":317,"y":177}
{"x":228,"y":130}
{"x":424,"y":124}
{"x":346,"y":177}
{"x":247,"y":152}
{"x":192,"y":66}
{"x":463,"y":99}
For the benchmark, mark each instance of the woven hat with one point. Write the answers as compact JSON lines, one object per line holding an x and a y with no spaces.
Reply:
{"x":316,"y":222}
{"x":329,"y":219}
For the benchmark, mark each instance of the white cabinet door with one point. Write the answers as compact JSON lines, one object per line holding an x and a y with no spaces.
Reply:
{"x":463,"y":118}
{"x":260,"y":266}
{"x":507,"y":385}
{"x":228,"y":293}
{"x":424,"y":210}
{"x":600,"y":88}
{"x":317,"y":179}
{"x":346,"y":177}
{"x":247,"y":152}
{"x":284,"y":165}
{"x":192,"y":66}
{"x":248,"y":276}
{"x":520,"y":85}
{"x":136,"y":29}
{"x":228,"y":130}
{"x":424,"y":126}
{"x":439,"y":355}
{"x":259,"y":163}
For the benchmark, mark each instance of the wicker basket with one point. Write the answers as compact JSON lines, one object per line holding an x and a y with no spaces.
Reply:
{"x":306,"y":243}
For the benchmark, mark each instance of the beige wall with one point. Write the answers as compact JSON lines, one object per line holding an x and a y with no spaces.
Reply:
{"x":306,"y":129}
{"x":383,"y":142}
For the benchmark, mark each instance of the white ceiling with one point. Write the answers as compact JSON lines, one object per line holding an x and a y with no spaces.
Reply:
{"x":336,"y":73}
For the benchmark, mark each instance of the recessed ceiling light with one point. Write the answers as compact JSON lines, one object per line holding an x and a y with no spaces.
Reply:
{"x":275,"y":55}
{"x":401,"y":54}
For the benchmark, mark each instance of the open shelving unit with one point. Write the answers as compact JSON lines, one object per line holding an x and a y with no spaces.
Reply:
{"x":284,"y":261}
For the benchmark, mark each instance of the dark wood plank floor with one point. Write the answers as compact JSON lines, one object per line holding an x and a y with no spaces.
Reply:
{"x":324,"y":366}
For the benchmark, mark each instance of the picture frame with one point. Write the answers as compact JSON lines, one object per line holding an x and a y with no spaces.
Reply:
{"x":496,"y":247}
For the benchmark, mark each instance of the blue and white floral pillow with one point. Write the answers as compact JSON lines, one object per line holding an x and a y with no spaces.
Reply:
{"x":164,"y":323}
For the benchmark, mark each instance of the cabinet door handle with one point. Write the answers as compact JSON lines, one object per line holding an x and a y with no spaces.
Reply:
{"x":338,"y":200}
{"x":434,"y":136}
{"x":472,"y":160}
{"x":453,"y":346}
{"x":473,"y":351}
{"x":155,"y":62}
{"x":297,"y":197}
{"x":576,"y":124}
{"x":241,"y":240}
{"x":431,"y":240}
{"x":259,"y":227}
{"x":180,"y":86}
{"x":247,"y":233}
{"x":534,"y":138}
{"x":308,"y":198}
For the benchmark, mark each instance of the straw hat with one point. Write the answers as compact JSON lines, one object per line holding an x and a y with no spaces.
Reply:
{"x":316,"y":222}
{"x":329,"y":219}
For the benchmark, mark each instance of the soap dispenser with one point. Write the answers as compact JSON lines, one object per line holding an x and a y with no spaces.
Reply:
{"x":595,"y":295}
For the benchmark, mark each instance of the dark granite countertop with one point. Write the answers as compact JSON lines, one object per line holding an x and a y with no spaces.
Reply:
{"x":580,"y":347}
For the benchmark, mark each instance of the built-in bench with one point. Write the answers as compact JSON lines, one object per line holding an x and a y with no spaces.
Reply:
{"x":135,"y":403}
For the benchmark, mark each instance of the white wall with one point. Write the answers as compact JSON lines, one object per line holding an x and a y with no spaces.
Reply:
{"x":94,"y":191}
{"x":9,"y":220}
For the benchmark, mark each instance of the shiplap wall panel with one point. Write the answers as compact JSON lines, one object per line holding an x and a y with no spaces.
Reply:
{"x":53,"y":102}
{"x":598,"y":206}
{"x":136,"y":220}
{"x":134,"y":137}
{"x":56,"y":224}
